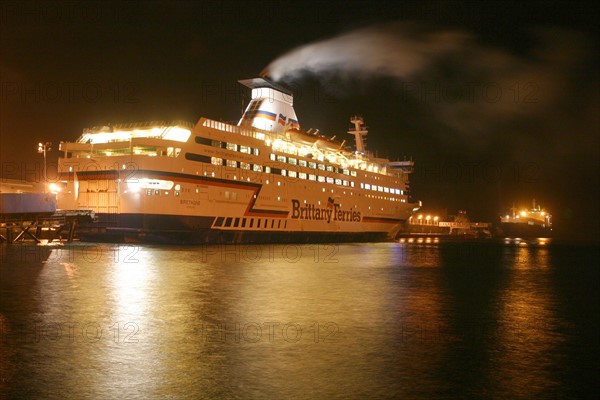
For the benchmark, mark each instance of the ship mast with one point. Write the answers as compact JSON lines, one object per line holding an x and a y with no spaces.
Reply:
{"x":359,"y":131}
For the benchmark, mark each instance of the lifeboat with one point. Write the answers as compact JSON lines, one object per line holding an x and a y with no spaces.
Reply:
{"x":296,"y":135}
{"x":328,"y":144}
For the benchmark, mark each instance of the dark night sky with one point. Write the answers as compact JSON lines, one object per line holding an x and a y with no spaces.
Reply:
{"x":533,"y":134}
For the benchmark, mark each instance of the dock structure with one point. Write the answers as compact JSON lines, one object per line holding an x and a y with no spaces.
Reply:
{"x":38,"y":227}
{"x":27,"y":215}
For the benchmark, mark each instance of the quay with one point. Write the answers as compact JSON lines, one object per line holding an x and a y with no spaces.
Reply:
{"x":42,"y":226}
{"x":34,"y":216}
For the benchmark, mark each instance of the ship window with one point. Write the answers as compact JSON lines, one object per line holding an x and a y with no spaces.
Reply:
{"x":255,"y":151}
{"x":232,"y":146}
{"x":202,"y":140}
{"x":231,"y":163}
{"x":367,"y":186}
{"x":227,"y":195}
{"x":268,"y":171}
{"x":258,"y":222}
{"x":345,"y":183}
{"x":236,"y":222}
{"x":346,"y":172}
{"x":292,"y":161}
{"x":156,"y":191}
{"x":243,"y":222}
{"x":281,"y":158}
{"x":312,"y":164}
{"x":312,"y":177}
{"x":215,"y":143}
{"x":197,"y":157}
{"x":244,"y":165}
{"x":351,"y":184}
{"x":219,"y":221}
{"x":279,"y":224}
{"x":227,"y":222}
{"x":380,"y":188}
{"x":321,"y":167}
{"x":329,"y":179}
{"x":148,"y":192}
{"x":245,"y":149}
{"x":386,"y":190}
{"x":169,"y":152}
{"x":285,"y":225}
{"x":283,"y":172}
{"x":302,"y":175}
{"x":273,"y":157}
{"x":293,"y":174}
{"x":257,"y":168}
{"x":321,"y":178}
{"x":216,"y":161}
{"x":338,"y":181}
{"x":251,"y":222}
{"x":272,"y":223}
{"x":302,"y":163}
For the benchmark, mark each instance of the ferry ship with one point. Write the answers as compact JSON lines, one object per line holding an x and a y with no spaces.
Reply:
{"x":533,"y":223}
{"x":262,"y":180}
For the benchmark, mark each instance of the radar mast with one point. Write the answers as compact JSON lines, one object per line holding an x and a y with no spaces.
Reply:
{"x":359,"y":131}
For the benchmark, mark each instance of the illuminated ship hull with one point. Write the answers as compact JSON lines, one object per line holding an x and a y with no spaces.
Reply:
{"x":524,"y":230}
{"x":532,"y":223}
{"x":254,"y":182}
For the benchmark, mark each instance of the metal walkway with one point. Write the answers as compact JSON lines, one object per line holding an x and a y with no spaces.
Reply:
{"x":42,"y":226}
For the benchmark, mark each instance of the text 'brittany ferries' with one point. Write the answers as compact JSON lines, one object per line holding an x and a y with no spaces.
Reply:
{"x":332,"y":210}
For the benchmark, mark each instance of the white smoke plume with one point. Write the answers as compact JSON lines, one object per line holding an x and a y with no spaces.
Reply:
{"x":391,"y":50}
{"x":481,"y":88}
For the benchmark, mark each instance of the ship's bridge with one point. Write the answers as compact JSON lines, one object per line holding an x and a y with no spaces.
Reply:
{"x":149,"y":138}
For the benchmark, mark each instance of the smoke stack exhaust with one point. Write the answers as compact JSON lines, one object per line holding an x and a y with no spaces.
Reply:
{"x":265,"y":74}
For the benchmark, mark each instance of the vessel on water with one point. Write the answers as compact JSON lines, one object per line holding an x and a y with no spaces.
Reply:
{"x":457,"y":226}
{"x":535,"y":222}
{"x":262,"y":180}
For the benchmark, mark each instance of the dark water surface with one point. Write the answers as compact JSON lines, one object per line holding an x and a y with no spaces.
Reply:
{"x":365,"y":321}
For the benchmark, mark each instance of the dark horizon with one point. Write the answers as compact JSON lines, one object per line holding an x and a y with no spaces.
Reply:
{"x":507,"y":116}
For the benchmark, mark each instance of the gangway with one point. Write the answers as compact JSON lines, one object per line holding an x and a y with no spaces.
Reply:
{"x":15,"y":227}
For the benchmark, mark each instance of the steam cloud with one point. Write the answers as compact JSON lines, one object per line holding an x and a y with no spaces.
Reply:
{"x":482,"y":88}
{"x":388,"y":50}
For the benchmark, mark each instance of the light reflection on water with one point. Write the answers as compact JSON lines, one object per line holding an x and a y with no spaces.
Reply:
{"x":420,"y":319}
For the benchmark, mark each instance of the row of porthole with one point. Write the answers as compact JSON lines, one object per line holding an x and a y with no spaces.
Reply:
{"x":250,"y":223}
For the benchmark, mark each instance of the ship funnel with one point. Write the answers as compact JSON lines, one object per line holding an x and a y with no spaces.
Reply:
{"x":271,"y":108}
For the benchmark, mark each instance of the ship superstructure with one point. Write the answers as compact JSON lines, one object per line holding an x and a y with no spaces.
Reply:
{"x":262,"y":180}
{"x":533,"y":222}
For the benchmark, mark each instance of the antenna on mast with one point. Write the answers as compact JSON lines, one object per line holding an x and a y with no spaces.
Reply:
{"x":359,"y":131}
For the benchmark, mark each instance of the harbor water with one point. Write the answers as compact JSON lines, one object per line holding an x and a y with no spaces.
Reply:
{"x":418,"y":319}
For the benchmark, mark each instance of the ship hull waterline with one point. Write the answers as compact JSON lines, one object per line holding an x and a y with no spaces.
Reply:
{"x":180,"y":229}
